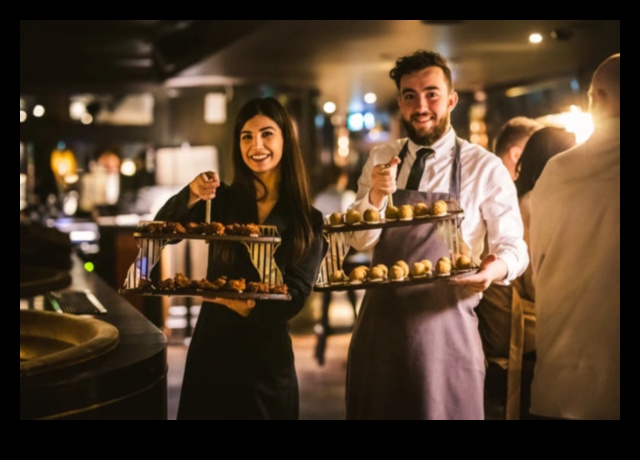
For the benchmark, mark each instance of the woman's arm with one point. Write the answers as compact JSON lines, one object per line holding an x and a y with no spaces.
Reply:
{"x":299,"y":278}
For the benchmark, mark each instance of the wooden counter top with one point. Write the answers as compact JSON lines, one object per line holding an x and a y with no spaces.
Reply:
{"x":129,"y":382}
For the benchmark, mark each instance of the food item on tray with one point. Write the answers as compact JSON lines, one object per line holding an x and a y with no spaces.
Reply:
{"x":167,"y":284}
{"x":463,"y":262}
{"x":378,"y":272}
{"x":358,"y":274}
{"x":194,"y":228}
{"x":151,"y":227}
{"x":212,"y":228}
{"x":428,"y":265}
{"x":419,"y":270}
{"x":353,"y":217}
{"x":337,"y":218}
{"x":242,"y":229}
{"x":404,"y":266}
{"x":180,"y":281}
{"x":405,"y":212}
{"x":372,"y":215}
{"x":163,"y":227}
{"x":174,"y":228}
{"x":439,"y":208}
{"x":279,"y":289}
{"x":396,"y":273}
{"x":257,"y":286}
{"x":420,"y":210}
{"x":238,"y":285}
{"x":206,"y":285}
{"x":391,"y":213}
{"x":337,"y":277}
{"x":443,"y":266}
{"x":220,"y":282}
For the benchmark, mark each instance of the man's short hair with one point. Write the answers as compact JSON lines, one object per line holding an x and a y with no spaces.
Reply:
{"x":419,"y":60}
{"x":514,"y":131}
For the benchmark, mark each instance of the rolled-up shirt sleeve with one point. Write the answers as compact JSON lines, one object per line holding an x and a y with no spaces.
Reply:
{"x":505,"y":229}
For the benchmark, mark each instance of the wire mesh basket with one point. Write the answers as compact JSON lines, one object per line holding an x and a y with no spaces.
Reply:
{"x":261,"y":249}
{"x":338,"y":238}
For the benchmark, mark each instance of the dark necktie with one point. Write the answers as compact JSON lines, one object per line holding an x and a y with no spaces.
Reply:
{"x":418,"y":168}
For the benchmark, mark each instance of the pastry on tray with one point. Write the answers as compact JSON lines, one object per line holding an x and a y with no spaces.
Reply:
{"x":463,"y":262}
{"x":405,"y":212}
{"x":358,"y":274}
{"x":391,"y":213}
{"x":353,"y":217}
{"x":420,"y":210}
{"x":396,"y":273}
{"x":378,"y":273}
{"x":419,"y":270}
{"x":336,"y":219}
{"x":242,"y":230}
{"x":279,"y":289}
{"x":439,"y":208}
{"x":338,"y":277}
{"x":405,"y":267}
{"x":372,"y":216}
{"x":443,"y":266}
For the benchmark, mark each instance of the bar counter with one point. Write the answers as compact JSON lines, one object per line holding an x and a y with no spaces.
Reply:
{"x":127,"y":382}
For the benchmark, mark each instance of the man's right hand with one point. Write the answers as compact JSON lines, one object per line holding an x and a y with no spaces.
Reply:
{"x":383,"y":182}
{"x":203,"y":187}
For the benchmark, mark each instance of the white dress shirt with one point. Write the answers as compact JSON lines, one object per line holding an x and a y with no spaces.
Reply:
{"x":488,"y":197}
{"x":575,"y":255}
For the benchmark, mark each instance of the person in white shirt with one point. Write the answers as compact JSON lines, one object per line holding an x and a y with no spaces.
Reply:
{"x":415,"y":351}
{"x":575,"y":255}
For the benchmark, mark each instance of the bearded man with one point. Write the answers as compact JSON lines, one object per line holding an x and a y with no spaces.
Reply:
{"x":415,"y":351}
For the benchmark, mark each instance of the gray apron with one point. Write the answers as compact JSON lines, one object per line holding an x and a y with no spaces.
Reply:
{"x":416,"y":352}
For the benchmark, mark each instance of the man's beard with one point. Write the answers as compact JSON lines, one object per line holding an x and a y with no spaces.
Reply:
{"x":428,"y":138}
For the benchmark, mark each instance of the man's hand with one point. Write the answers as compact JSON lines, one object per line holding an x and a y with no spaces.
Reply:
{"x":491,"y":269}
{"x":383,"y":182}
{"x":203,"y":187}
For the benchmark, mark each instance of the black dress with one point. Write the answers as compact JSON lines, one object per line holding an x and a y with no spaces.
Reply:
{"x":237,"y":367}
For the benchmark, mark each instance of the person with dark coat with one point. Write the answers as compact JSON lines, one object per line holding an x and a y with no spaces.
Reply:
{"x":240,"y":363}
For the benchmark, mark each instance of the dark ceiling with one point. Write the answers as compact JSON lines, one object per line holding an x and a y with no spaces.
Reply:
{"x":342,"y":59}
{"x":118,"y":52}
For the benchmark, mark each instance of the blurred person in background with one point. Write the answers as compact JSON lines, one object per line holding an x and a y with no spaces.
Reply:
{"x":499,"y":302}
{"x":541,"y":146}
{"x":511,"y":140}
{"x":494,"y":310}
{"x":575,"y":256}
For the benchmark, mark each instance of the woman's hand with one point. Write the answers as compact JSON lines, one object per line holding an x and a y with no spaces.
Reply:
{"x":203,"y":187}
{"x":240,"y":306}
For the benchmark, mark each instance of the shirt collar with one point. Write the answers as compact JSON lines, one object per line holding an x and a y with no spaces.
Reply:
{"x":442,"y":146}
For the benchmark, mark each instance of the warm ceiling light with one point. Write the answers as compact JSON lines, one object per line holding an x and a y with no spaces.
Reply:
{"x":329,"y":107}
{"x":535,"y":38}
{"x":370,"y":98}
{"x":38,"y":111}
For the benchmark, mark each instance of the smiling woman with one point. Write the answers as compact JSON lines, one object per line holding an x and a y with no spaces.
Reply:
{"x":261,"y":144}
{"x":240,"y":363}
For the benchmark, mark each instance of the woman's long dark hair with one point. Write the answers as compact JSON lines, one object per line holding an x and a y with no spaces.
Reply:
{"x":294,"y":185}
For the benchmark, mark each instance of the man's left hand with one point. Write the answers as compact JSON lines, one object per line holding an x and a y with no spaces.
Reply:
{"x":492,"y":268}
